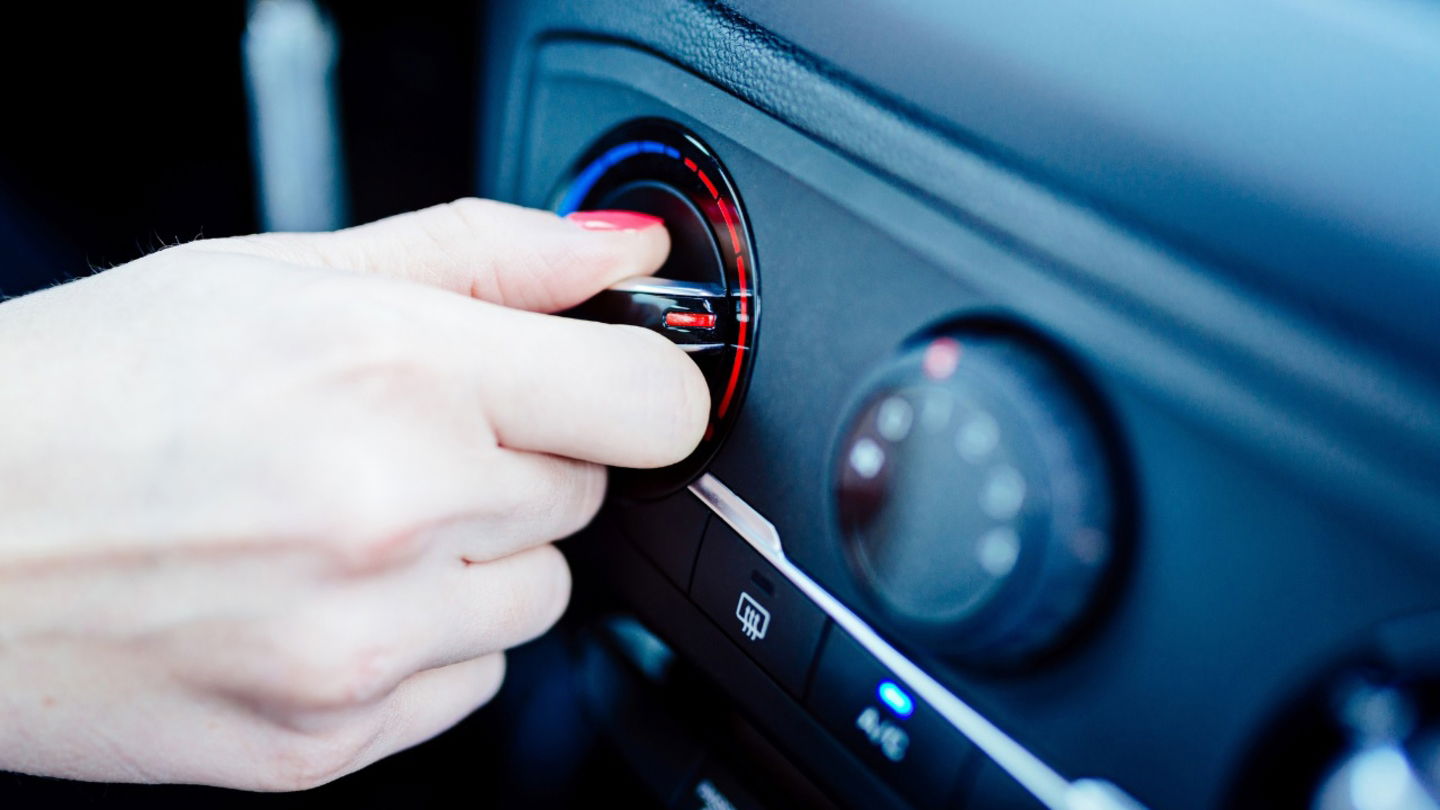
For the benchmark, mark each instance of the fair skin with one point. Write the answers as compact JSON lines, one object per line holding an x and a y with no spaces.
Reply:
{"x":273,"y":506}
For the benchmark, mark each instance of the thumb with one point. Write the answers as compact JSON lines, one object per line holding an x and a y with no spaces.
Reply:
{"x":505,"y":254}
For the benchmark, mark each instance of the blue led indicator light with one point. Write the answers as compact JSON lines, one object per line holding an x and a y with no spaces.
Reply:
{"x":895,"y":697}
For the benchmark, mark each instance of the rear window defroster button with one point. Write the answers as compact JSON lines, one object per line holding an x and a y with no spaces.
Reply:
{"x":770,"y":619}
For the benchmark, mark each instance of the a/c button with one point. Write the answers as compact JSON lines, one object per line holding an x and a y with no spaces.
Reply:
{"x":771,"y":620}
{"x":903,"y":740}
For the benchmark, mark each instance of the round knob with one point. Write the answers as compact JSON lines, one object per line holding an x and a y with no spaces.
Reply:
{"x":704,"y":297}
{"x":975,"y":496}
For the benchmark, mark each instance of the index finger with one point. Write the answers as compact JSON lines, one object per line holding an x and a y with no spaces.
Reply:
{"x":493,"y":251}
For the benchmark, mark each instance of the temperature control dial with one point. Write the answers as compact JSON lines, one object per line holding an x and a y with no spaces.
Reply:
{"x":975,"y":496}
{"x":704,"y":297}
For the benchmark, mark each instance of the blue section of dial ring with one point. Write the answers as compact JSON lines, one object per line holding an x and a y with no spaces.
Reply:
{"x":591,"y":174}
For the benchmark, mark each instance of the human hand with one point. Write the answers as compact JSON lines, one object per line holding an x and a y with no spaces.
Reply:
{"x":273,"y":505}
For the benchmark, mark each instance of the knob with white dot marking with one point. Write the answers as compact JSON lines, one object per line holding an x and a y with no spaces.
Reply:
{"x":976,"y":496}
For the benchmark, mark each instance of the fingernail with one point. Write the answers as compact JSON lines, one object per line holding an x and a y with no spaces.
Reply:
{"x":614,"y":220}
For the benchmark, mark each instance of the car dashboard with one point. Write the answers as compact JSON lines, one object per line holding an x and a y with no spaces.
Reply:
{"x":1079,"y":448}
{"x":1074,"y":435}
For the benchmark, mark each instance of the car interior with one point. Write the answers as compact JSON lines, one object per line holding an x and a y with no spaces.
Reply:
{"x":1075,"y":415}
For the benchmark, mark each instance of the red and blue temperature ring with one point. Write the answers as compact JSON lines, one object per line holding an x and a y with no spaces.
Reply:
{"x":688,"y":152}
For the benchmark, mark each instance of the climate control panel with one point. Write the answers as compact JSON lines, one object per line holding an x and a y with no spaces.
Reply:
{"x":1126,"y":571}
{"x":972,"y":492}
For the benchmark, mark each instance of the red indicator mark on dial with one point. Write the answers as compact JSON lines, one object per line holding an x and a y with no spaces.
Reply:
{"x":689,"y":320}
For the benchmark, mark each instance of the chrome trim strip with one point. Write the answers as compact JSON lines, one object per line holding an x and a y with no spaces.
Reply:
{"x":1043,"y":782}
{"x":654,"y":285}
{"x":741,"y":517}
{"x":699,"y":347}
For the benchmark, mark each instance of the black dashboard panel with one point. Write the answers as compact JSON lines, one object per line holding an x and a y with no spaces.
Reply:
{"x":1288,"y":141}
{"x":1266,"y":385}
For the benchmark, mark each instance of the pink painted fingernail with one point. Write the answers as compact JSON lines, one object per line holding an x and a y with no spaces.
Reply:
{"x":614,"y":220}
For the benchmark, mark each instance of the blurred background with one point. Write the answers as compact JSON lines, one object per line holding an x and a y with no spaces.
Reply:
{"x":127,"y":125}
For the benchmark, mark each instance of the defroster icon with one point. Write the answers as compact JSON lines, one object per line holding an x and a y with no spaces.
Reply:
{"x":754,"y":618}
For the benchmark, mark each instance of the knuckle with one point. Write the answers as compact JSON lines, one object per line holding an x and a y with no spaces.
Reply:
{"x":472,"y":213}
{"x":347,"y":320}
{"x":318,"y":672}
{"x":354,"y":479}
{"x":303,"y":761}
{"x":356,"y":507}
{"x":369,"y":542}
{"x":323,"y":332}
{"x":337,"y":686}
{"x":374,"y":551}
